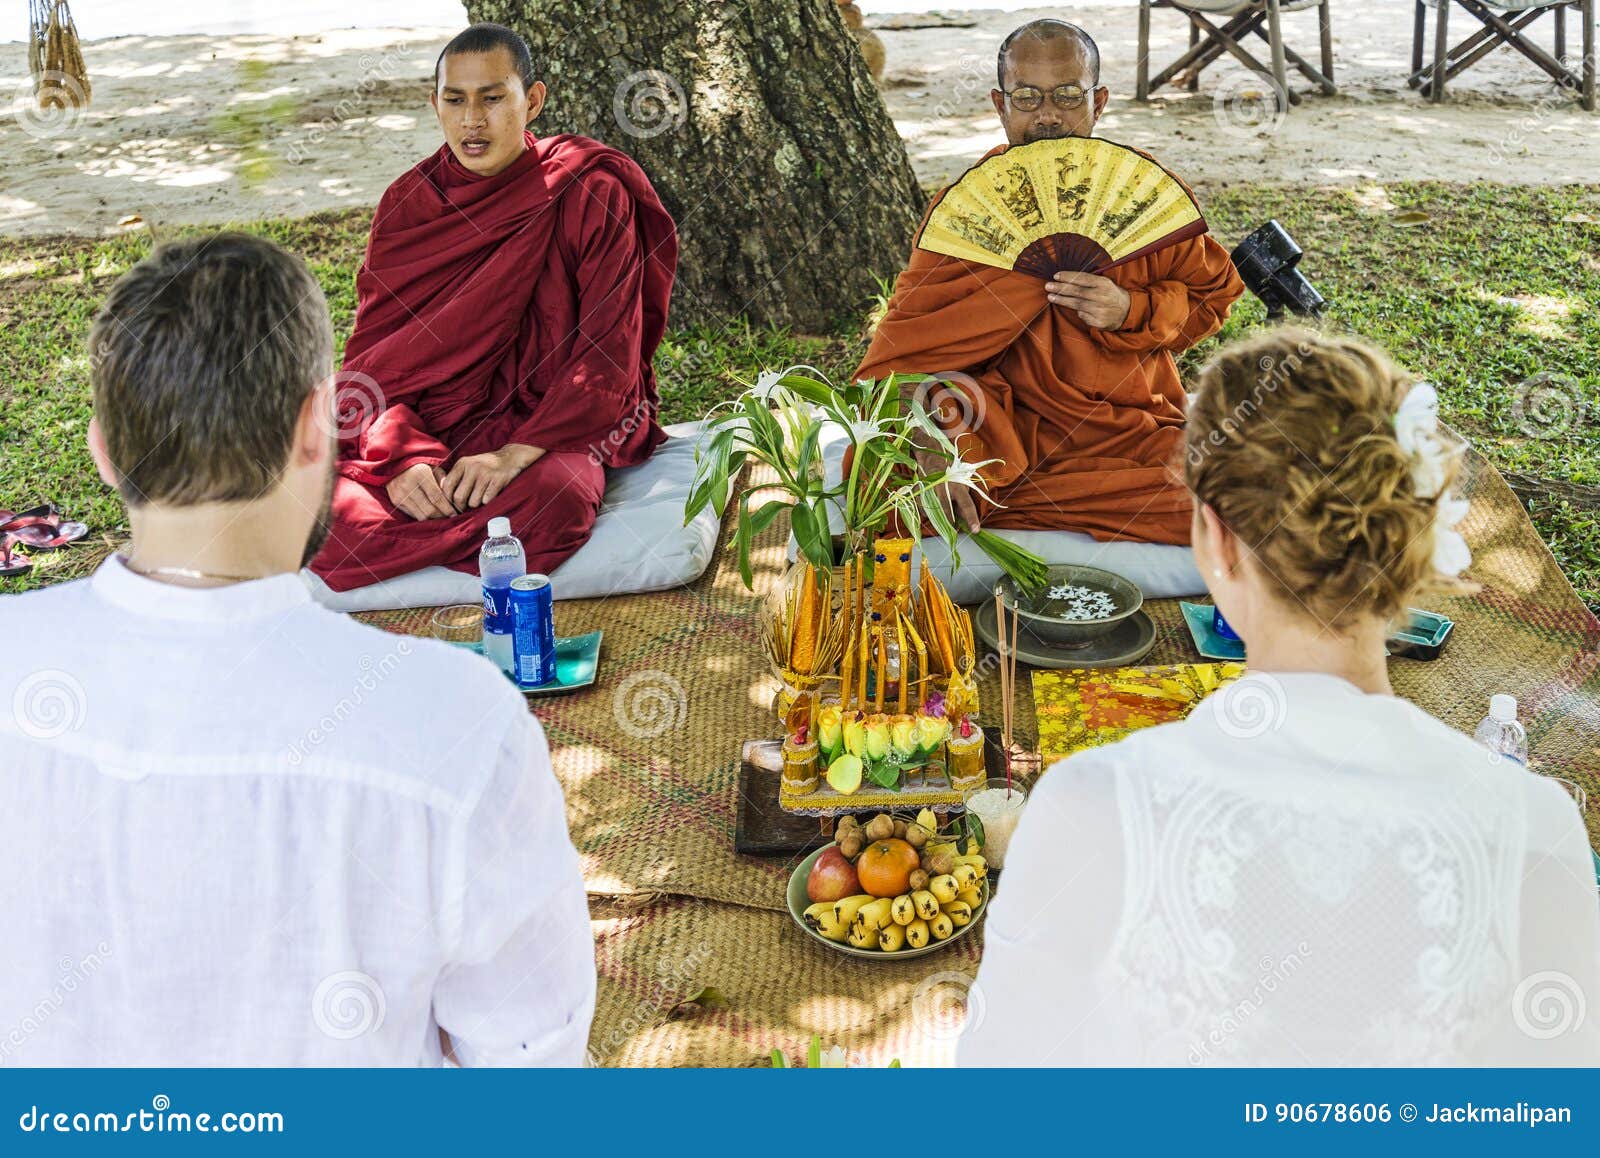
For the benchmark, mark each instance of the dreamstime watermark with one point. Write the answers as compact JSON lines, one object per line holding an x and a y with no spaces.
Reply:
{"x":1249,"y":104}
{"x":73,"y":974}
{"x":52,"y":109}
{"x":1548,"y":1004}
{"x":373,"y":672}
{"x":945,"y":1005}
{"x":970,"y":77}
{"x":649,"y":103}
{"x":1271,"y":973}
{"x":677,"y":982}
{"x":348,"y":1004}
{"x":650,"y":703}
{"x":1548,"y":406}
{"x":1250,"y":706}
{"x":600,"y":453}
{"x":357,"y":402}
{"x":48,"y":704}
{"x":1272,"y":373}
{"x":1543,"y":110}
{"x":373,"y":74}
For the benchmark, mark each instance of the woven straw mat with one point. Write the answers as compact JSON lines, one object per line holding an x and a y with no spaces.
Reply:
{"x":649,"y":760}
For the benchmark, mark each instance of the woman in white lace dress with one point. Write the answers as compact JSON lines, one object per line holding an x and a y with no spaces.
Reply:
{"x":1308,"y":870}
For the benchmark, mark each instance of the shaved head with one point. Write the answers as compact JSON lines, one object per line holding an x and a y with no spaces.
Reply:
{"x":1054,"y":33}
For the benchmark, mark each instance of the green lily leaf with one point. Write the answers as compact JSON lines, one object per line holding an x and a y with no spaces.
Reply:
{"x":814,"y":392}
{"x":751,"y":524}
{"x":811,"y":532}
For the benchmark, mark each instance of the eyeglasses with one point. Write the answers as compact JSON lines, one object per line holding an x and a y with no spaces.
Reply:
{"x":1065,"y":96}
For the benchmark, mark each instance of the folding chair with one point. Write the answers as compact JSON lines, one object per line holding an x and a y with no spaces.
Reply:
{"x":1504,"y":22}
{"x":1208,"y":41}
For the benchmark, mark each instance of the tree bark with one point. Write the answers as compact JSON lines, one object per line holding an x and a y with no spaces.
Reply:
{"x":760,"y":126}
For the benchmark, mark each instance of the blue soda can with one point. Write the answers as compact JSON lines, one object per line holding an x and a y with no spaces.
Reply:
{"x":533,"y":630}
{"x":1221,"y":626}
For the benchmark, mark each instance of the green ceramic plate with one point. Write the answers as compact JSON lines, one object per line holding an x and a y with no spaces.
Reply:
{"x":577,"y":662}
{"x":799,"y":903}
{"x":1206,"y":640}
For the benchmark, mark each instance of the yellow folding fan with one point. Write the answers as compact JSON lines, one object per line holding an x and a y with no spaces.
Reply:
{"x":1074,"y":203}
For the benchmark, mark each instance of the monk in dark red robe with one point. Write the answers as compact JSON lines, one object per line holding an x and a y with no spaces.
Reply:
{"x":512,"y":297}
{"x":1070,"y":385}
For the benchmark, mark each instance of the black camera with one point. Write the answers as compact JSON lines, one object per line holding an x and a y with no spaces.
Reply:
{"x":1267,"y":262}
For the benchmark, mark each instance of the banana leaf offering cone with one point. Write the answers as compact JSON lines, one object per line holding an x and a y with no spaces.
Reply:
{"x":947,"y":630}
{"x":803,"y":637}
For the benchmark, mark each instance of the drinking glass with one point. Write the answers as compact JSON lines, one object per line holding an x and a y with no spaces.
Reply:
{"x":461,"y":625}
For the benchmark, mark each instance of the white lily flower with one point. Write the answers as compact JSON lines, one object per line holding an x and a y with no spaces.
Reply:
{"x":833,"y":1058}
{"x":960,"y":472}
{"x":863,"y":431}
{"x":768,"y":383}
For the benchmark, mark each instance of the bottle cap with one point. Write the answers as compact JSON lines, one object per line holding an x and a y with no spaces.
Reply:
{"x":1503,"y":708}
{"x":500,"y":527}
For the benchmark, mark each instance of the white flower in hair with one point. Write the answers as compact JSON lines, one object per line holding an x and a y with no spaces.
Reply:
{"x":1416,"y":429}
{"x":1451,"y":555}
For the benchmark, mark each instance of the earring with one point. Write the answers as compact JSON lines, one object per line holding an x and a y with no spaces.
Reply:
{"x":1216,"y":572}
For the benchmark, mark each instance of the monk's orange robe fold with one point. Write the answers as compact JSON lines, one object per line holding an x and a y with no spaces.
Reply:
{"x":1087,"y":423}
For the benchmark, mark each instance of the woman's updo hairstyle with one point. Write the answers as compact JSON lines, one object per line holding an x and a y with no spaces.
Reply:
{"x":1291,"y":441}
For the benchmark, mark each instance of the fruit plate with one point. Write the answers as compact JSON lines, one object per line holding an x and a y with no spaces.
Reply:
{"x":798,"y":902}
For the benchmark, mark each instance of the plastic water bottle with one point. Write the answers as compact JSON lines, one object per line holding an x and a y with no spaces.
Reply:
{"x":499,"y":562}
{"x":1500,"y":732}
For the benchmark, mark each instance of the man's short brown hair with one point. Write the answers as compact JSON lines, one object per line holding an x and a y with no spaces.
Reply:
{"x":201,"y":359}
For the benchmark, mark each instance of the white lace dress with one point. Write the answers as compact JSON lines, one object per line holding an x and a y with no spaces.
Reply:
{"x":1298,"y":874}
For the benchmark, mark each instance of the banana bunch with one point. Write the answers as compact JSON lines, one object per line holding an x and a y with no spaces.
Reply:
{"x":909,"y":921}
{"x":939,"y":903}
{"x":1189,"y":684}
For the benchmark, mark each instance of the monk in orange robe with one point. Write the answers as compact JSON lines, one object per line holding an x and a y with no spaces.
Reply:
{"x":1070,"y":383}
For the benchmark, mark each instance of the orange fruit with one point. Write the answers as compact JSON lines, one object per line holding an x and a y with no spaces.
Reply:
{"x":885,"y":867}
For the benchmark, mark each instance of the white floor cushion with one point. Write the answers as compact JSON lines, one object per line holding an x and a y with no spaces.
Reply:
{"x":639,"y":543}
{"x":1161,"y":570}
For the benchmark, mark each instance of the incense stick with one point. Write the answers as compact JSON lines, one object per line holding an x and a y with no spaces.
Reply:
{"x":1011,"y":693}
{"x":1005,"y":680}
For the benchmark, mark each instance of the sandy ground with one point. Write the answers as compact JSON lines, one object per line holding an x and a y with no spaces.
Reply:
{"x":219,"y":128}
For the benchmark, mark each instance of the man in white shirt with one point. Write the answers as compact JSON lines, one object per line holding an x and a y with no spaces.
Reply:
{"x":235,"y":827}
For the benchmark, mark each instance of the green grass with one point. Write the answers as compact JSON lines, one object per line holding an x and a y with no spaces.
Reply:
{"x":1495,"y":289}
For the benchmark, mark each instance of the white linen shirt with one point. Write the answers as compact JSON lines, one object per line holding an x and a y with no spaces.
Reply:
{"x":1296,"y":874}
{"x":239,"y":829}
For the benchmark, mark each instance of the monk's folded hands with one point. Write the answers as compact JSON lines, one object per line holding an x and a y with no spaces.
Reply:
{"x":477,"y":478}
{"x":419,"y":492}
{"x":1100,"y":302}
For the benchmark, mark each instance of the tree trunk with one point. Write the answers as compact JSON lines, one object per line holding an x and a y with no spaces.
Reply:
{"x":759,"y":124}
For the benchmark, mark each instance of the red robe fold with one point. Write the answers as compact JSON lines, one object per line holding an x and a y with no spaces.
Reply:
{"x":1087,"y":423}
{"x":520,"y":308}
